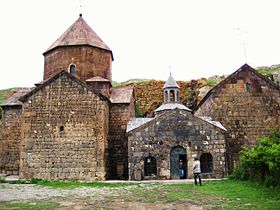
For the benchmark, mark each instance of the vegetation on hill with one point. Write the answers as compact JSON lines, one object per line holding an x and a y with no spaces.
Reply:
{"x":270,"y":71}
{"x":262,"y":162}
{"x":4,"y":94}
{"x":149,"y":93}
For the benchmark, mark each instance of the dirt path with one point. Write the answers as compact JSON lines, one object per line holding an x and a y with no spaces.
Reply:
{"x":13,"y":192}
{"x":88,"y":198}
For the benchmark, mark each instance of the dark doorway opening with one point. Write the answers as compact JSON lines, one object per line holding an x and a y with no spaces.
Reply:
{"x":184,"y":160}
{"x":150,"y":166}
{"x":178,"y":153}
{"x":206,"y":161}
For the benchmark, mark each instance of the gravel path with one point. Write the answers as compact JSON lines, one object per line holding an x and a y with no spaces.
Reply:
{"x":12,"y":192}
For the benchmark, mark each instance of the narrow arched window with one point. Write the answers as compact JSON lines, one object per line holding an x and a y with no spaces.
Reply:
{"x":248,"y":87}
{"x":206,"y":162}
{"x":165,"y":96}
{"x":72,"y":69}
{"x":61,"y":129}
{"x":172,"y":96}
{"x":150,"y":166}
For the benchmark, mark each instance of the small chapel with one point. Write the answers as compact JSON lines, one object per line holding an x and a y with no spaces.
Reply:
{"x":73,"y":125}
{"x":157,"y":145}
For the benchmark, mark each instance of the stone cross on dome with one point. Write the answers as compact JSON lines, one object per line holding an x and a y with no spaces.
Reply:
{"x":170,"y":69}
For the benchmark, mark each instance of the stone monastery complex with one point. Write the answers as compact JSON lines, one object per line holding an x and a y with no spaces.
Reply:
{"x":75,"y":126}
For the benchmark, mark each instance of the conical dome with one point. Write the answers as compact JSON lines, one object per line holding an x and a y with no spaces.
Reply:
{"x":81,"y":49}
{"x":79,"y":33}
{"x":171,"y":83}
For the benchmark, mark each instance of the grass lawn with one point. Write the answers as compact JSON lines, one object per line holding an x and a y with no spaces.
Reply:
{"x":229,"y":194}
{"x":226,"y":194}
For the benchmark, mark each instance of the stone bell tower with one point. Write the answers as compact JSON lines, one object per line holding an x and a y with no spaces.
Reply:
{"x":171,"y":91}
{"x":81,"y":52}
{"x":171,"y":97}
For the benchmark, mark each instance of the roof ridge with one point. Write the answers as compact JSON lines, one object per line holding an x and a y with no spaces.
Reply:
{"x":54,"y":77}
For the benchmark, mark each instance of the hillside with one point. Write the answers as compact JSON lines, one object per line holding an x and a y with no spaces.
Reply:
{"x":149,"y":92}
{"x":6,"y":93}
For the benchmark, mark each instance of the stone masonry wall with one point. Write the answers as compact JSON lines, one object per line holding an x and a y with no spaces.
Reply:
{"x":10,"y":140}
{"x":175,"y":128}
{"x":120,"y":114}
{"x":246,"y":115}
{"x":65,"y":129}
{"x":89,"y":61}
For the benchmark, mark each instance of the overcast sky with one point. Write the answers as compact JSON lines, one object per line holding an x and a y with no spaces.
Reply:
{"x":197,"y":38}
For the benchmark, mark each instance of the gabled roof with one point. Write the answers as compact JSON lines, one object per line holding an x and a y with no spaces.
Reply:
{"x":170,"y":106}
{"x":79,"y":33}
{"x":121,"y":95}
{"x":53,"y":78}
{"x":215,"y":123}
{"x":242,"y":68}
{"x":14,"y":99}
{"x":170,"y":83}
{"x":138,"y":123}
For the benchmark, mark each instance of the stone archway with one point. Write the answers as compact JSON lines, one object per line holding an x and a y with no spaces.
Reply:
{"x":178,"y":153}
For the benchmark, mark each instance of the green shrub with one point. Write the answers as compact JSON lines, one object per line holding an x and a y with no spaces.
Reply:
{"x":139,"y":111}
{"x":2,"y":178}
{"x":262,"y":162}
{"x":266,"y":72}
{"x":211,"y":82}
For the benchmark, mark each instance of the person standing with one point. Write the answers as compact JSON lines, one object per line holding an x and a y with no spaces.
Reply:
{"x":181,"y":169}
{"x":197,"y":171}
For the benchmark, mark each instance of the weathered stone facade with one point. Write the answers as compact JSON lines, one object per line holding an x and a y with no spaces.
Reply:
{"x":59,"y":130}
{"x":173,"y":129}
{"x":65,"y":129}
{"x":89,"y":62}
{"x":120,"y":114}
{"x":247,"y":104}
{"x":75,"y":126}
{"x":10,"y":136}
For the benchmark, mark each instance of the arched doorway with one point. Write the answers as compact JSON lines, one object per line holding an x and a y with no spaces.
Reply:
{"x":178,"y":153}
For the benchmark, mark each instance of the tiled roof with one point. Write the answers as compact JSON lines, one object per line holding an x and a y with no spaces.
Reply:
{"x":170,"y":106}
{"x":215,"y":123}
{"x":97,"y":79}
{"x":14,"y":99}
{"x":121,"y":95}
{"x":171,"y":83}
{"x":39,"y":83}
{"x":79,"y":33}
{"x":136,"y":122}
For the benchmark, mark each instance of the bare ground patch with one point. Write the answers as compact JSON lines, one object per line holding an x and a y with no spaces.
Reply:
{"x":25,"y":196}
